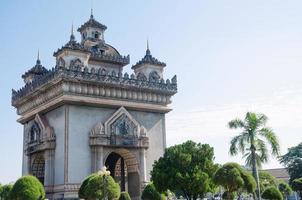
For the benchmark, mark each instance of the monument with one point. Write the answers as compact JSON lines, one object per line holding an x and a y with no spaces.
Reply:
{"x":85,"y":113}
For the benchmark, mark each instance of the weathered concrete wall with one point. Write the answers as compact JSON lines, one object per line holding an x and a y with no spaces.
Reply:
{"x":56,"y":119}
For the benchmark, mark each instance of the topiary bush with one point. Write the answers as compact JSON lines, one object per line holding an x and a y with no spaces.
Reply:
{"x":27,"y":188}
{"x":124,"y":196}
{"x":150,"y":193}
{"x":5,"y":191}
{"x":272,"y":193}
{"x":99,"y":186}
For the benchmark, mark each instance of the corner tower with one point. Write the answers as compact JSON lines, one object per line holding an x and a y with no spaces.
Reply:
{"x":85,"y":113}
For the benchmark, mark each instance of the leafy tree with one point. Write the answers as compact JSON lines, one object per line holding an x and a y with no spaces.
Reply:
{"x":297,"y":186}
{"x":292,"y":154}
{"x":27,"y":188}
{"x":187,"y":168}
{"x":150,"y":193}
{"x":294,"y":169}
{"x":99,"y":186}
{"x":124,"y":196}
{"x":285,"y":189}
{"x":266,"y":180}
{"x":272,"y":193}
{"x":5,"y":191}
{"x":252,"y":142}
{"x":234,"y":178}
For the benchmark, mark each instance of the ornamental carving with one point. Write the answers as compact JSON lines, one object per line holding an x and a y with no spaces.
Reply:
{"x":76,"y":63}
{"x":154,"y":77}
{"x":121,"y":129}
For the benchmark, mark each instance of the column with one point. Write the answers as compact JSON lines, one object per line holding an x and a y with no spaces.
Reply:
{"x":143,"y":166}
{"x":49,"y":167}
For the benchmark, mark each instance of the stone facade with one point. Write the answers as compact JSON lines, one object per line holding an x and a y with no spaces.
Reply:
{"x":85,"y":113}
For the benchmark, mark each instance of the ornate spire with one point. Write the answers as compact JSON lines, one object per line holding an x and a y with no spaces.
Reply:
{"x":148,"y":52}
{"x":91,"y":13}
{"x":38,"y":62}
{"x":72,"y":38}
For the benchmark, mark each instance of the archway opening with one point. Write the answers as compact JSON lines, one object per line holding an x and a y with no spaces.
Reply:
{"x":115,"y":163}
{"x":38,"y":168}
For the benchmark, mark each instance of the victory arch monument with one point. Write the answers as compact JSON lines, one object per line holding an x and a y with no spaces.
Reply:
{"x":86,"y":113}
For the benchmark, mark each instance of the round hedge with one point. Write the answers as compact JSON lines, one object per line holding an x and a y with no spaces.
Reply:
{"x":272,"y":193}
{"x":27,"y":188}
{"x":124,"y":196}
{"x":99,"y":186}
{"x":150,"y":193}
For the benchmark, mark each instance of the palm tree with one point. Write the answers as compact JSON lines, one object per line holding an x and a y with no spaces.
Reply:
{"x":252,"y":142}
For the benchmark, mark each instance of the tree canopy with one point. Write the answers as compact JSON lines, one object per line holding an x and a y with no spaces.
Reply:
{"x":292,"y":154}
{"x":150,"y":193}
{"x":234,"y":178}
{"x":27,"y":188}
{"x":187,"y":168}
{"x":272,"y":193}
{"x":285,"y":189}
{"x":5,"y":191}
{"x":267,"y":180}
{"x":98,"y":186}
{"x":297,"y":186}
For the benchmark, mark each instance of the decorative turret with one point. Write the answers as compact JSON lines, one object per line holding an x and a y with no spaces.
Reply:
{"x":149,"y":67}
{"x":34,"y":72}
{"x":72,"y":54}
{"x":92,"y":33}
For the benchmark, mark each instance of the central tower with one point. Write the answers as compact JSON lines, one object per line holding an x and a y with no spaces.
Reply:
{"x":85,"y":113}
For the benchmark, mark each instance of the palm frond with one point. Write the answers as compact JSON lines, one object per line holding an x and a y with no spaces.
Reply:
{"x":236,"y":123}
{"x":262,"y":149}
{"x":234,"y":145}
{"x":272,"y":139}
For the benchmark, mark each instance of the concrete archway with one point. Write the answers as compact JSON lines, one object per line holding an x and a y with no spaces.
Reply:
{"x":124,"y":168}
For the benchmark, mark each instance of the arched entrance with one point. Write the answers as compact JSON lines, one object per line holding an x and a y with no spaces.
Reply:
{"x":123,"y":167}
{"x":115,"y":163}
{"x":38,"y":168}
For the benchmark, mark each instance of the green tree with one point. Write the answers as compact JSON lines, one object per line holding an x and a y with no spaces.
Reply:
{"x":234,"y":179}
{"x":187,"y":168}
{"x":292,"y":154}
{"x":297,"y":186}
{"x":252,"y":142}
{"x":5,"y":191}
{"x":293,"y":162}
{"x":27,"y":188}
{"x":99,"y":186}
{"x":124,"y":196}
{"x":150,"y":193}
{"x":266,"y":180}
{"x":285,"y":189}
{"x":272,"y":193}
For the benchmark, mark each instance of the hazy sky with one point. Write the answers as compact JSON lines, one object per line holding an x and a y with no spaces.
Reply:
{"x":230,"y":56}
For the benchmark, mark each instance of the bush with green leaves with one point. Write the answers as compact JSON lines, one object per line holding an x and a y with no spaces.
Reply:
{"x":285,"y":189}
{"x":27,"y":188}
{"x":234,"y":179}
{"x":297,"y":186}
{"x":185,"y":169}
{"x":124,"y":196}
{"x":5,"y":191}
{"x":272,"y":193}
{"x":99,"y":186}
{"x":150,"y":193}
{"x":267,"y":180}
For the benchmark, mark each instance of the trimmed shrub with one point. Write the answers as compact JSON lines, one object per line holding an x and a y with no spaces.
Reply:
{"x":124,"y":196}
{"x":272,"y":193}
{"x":98,"y":186}
{"x":5,"y":191}
{"x":27,"y":188}
{"x":150,"y":193}
{"x":297,"y":186}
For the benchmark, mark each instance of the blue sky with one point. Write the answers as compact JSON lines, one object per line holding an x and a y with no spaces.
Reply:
{"x":230,"y":57}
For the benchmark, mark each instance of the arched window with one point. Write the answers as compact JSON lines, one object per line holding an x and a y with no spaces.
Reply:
{"x":38,"y":168}
{"x":35,"y":132}
{"x":96,"y":35}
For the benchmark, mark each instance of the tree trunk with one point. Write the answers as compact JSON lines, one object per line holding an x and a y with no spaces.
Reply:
{"x":255,"y":172}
